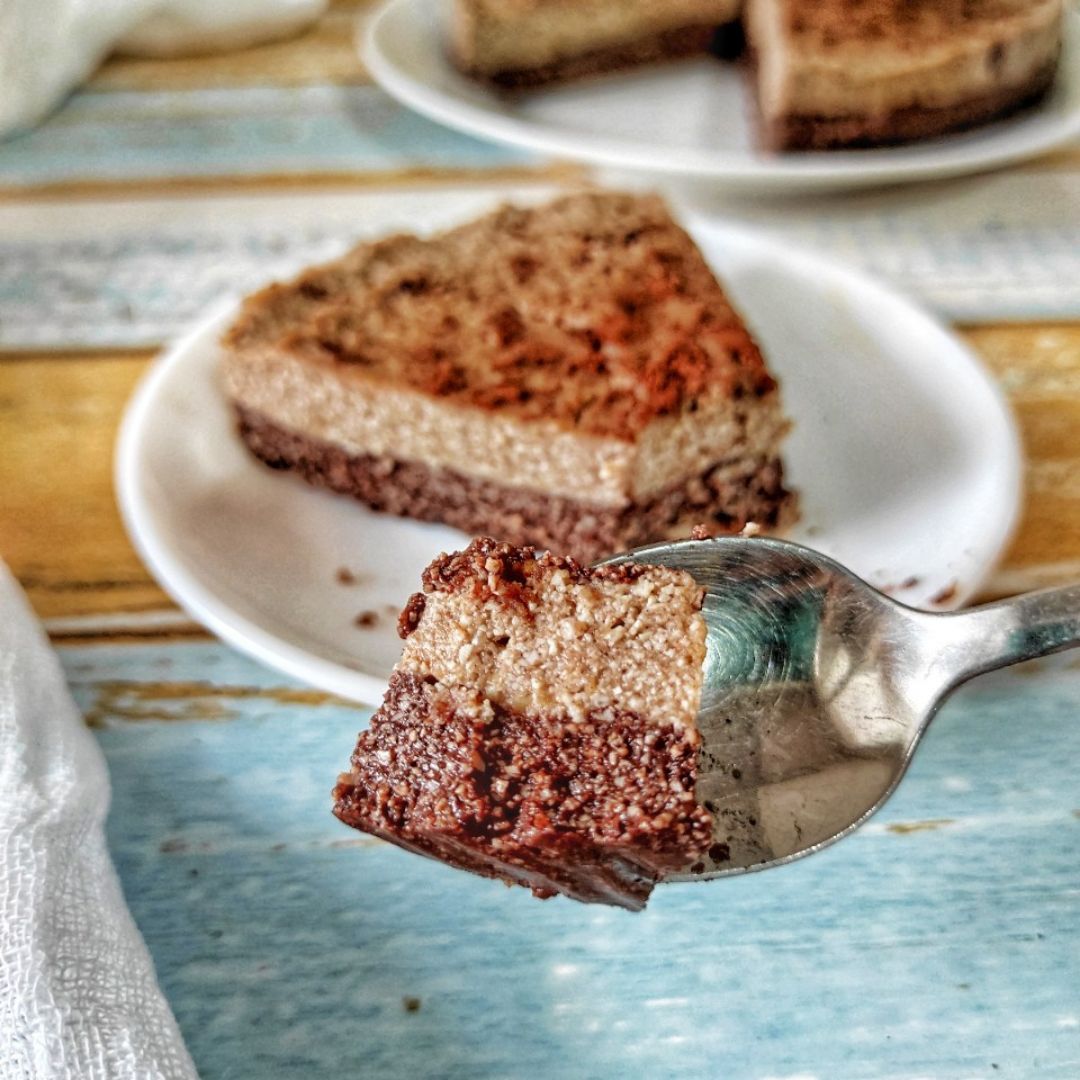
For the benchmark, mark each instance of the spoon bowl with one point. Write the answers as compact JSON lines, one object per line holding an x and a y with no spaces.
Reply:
{"x":817,"y":688}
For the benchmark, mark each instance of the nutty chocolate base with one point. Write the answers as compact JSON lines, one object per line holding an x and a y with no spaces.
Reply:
{"x":669,"y":45}
{"x":597,"y":810}
{"x":799,"y":131}
{"x":723,"y":501}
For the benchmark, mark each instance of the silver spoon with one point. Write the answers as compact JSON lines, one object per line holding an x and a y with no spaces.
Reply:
{"x":818,"y":688}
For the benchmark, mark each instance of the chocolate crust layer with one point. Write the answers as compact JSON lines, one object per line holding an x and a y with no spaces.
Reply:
{"x":598,"y":810}
{"x":668,"y":45}
{"x":587,"y":532}
{"x":798,"y":131}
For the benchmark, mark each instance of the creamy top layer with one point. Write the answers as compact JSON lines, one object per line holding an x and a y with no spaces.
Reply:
{"x":542,"y":456}
{"x":867,"y":56}
{"x":545,"y":636}
{"x":493,"y":35}
{"x":595,"y":313}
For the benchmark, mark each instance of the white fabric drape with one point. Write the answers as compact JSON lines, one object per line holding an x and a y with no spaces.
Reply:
{"x":78,"y":996}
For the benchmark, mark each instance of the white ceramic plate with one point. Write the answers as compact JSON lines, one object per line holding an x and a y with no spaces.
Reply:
{"x":904,"y":453}
{"x":690,"y":119}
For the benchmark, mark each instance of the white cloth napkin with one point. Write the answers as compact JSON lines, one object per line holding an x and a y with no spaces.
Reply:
{"x":48,"y":47}
{"x":78,"y":995}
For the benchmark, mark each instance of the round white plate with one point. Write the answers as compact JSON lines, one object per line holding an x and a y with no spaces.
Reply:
{"x":905,"y":456}
{"x":691,"y":118}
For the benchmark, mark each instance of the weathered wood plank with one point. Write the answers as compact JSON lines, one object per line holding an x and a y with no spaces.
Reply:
{"x":94,"y":265}
{"x":995,"y":247}
{"x":236,"y":133}
{"x":942,"y":941}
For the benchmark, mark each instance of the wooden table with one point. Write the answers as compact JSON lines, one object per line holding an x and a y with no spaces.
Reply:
{"x":943,"y":940}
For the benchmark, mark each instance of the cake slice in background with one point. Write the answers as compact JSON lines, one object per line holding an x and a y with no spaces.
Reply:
{"x":838,"y":73}
{"x":569,"y":376}
{"x":827,"y":73}
{"x":540,"y":725}
{"x":517,"y":43}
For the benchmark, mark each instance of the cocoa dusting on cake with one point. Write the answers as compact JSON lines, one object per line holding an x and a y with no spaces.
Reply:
{"x":497,"y":570}
{"x":619,"y":321}
{"x":568,"y":376}
{"x":909,"y":26}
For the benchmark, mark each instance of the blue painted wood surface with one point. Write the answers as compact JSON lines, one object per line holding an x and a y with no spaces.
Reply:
{"x":943,"y":940}
{"x":250,"y":131}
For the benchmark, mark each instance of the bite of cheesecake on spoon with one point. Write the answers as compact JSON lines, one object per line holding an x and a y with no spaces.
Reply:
{"x":683,"y":711}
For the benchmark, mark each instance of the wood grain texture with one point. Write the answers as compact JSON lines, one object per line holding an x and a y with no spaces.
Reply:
{"x":61,"y":533}
{"x":941,"y":941}
{"x":1039,"y":369}
{"x":127,"y":263}
{"x":164,"y":136}
{"x":60,"y":530}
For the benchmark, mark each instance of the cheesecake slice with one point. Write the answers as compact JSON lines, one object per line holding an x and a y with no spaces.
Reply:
{"x":540,"y":725}
{"x":849,"y":73}
{"x":569,"y":376}
{"x":518,"y":43}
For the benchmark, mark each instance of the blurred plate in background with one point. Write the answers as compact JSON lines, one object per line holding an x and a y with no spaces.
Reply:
{"x":693,"y":118}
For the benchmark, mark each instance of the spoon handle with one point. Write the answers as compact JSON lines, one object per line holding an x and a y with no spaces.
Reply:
{"x":1009,"y":631}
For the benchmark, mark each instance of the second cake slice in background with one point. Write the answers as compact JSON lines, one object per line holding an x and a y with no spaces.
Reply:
{"x":515,"y":44}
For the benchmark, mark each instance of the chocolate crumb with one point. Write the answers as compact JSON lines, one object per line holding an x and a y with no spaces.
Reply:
{"x":366,"y":620}
{"x":945,"y":595}
{"x":410,"y":616}
{"x":720,"y":853}
{"x":344,"y":576}
{"x":410,"y":1004}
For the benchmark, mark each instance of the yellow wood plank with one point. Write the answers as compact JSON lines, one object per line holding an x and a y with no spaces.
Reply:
{"x":555,"y":172}
{"x":61,"y":533}
{"x":325,"y":53}
{"x":1039,"y":369}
